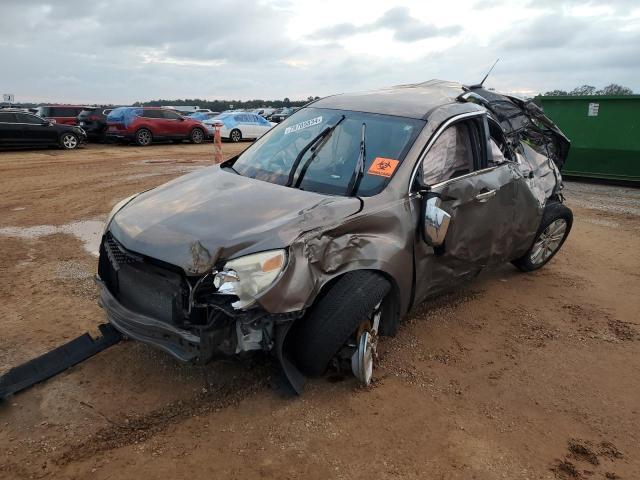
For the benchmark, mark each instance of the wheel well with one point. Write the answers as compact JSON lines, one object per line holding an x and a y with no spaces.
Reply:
{"x":387,"y":330}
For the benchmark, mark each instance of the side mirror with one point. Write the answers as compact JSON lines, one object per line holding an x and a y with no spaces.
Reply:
{"x":436,"y":222}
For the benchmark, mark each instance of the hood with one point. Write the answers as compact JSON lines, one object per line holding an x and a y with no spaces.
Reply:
{"x":212,"y":214}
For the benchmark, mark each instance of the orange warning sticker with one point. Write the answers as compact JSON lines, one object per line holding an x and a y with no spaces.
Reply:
{"x":383,"y":167}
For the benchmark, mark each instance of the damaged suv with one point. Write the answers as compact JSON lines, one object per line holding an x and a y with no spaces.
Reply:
{"x":321,"y":236}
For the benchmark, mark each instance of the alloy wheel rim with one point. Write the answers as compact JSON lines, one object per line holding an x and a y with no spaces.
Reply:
{"x":548,"y":242}
{"x":235,"y":136}
{"x":69,"y":141}
{"x":197,"y":136}
{"x":144,"y":137}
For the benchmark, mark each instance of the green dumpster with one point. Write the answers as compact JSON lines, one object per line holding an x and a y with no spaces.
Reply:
{"x":604,"y":131}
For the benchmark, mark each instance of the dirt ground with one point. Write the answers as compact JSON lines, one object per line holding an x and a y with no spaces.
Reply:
{"x":516,"y":376}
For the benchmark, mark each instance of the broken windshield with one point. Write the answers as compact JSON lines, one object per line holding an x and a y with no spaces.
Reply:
{"x":273,"y":157}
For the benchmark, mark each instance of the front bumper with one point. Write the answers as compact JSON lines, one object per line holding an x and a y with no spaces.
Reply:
{"x":182,"y":344}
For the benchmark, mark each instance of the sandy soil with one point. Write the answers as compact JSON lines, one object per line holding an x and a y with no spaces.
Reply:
{"x":516,"y":376}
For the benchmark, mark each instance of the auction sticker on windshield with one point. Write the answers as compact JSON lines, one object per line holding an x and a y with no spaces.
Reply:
{"x":383,"y":167}
{"x":302,"y":125}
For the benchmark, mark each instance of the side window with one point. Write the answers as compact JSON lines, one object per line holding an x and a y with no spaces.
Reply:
{"x":152,"y":114}
{"x":168,"y":114}
{"x":7,"y":117}
{"x":500,"y":150}
{"x":452,"y":155}
{"x":24,"y":118}
{"x":62,"y":112}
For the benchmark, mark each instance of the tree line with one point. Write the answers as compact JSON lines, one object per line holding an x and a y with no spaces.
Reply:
{"x":214,"y":105}
{"x":611,"y":89}
{"x":221,"y":105}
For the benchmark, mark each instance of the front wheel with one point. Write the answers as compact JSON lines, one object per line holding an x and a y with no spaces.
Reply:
{"x":348,"y":315}
{"x":554,"y":229}
{"x":69,"y":141}
{"x":235,"y":135}
{"x":197,"y":136}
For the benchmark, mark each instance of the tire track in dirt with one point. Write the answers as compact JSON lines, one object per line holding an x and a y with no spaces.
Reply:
{"x":140,"y":428}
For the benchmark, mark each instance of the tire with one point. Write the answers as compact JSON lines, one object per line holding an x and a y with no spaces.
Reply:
{"x":317,"y":338}
{"x":69,"y":141}
{"x":549,"y":238}
{"x":197,"y":136}
{"x":235,"y":135}
{"x":143,"y":137}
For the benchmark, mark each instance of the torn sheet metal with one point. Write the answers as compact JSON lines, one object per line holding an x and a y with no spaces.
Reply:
{"x":542,"y":175}
{"x":524,"y":120}
{"x":57,"y":360}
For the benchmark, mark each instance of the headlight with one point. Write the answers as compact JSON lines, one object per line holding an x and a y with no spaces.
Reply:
{"x":249,"y":276}
{"x":117,"y":207}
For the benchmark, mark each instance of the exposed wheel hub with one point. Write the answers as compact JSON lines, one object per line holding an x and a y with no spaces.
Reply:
{"x":367,"y":347}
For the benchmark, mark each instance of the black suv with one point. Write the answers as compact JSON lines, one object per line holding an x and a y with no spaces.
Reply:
{"x":93,"y":120}
{"x":21,"y":129}
{"x":282,"y":114}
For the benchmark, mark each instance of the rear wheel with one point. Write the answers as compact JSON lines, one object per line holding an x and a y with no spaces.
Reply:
{"x":197,"y":135}
{"x":69,"y":141}
{"x":235,"y":135}
{"x":144,"y":137}
{"x":349,"y":314}
{"x":554,"y":229}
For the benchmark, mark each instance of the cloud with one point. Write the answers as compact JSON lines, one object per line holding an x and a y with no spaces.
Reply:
{"x":405,"y":28}
{"x":121,"y":51}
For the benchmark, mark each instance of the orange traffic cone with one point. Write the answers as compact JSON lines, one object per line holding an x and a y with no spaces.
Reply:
{"x":217,"y":144}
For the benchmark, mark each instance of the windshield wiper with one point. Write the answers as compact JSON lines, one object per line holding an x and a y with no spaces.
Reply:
{"x":356,"y":178}
{"x":296,"y":163}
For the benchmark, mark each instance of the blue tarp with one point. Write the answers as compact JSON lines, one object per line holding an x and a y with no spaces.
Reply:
{"x":199,"y":116}
{"x":124,"y":115}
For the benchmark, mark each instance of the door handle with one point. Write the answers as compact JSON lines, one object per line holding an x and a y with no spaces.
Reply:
{"x":484,"y":196}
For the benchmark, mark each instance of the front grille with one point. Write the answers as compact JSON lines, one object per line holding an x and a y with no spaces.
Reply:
{"x":139,"y":285}
{"x":117,"y":255}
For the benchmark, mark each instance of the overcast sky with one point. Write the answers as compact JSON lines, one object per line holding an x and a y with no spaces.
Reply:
{"x":120,"y":51}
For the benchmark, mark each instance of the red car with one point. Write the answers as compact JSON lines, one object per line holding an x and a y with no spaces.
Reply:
{"x":143,"y":125}
{"x":64,"y":114}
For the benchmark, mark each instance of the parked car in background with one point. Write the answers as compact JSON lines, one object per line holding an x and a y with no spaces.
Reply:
{"x":64,"y":114}
{"x":93,"y":120}
{"x":280,"y":114}
{"x":239,"y":126}
{"x":183,"y":109}
{"x":264,"y":112}
{"x":23,"y":129}
{"x":203,"y":115}
{"x":144,"y":125}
